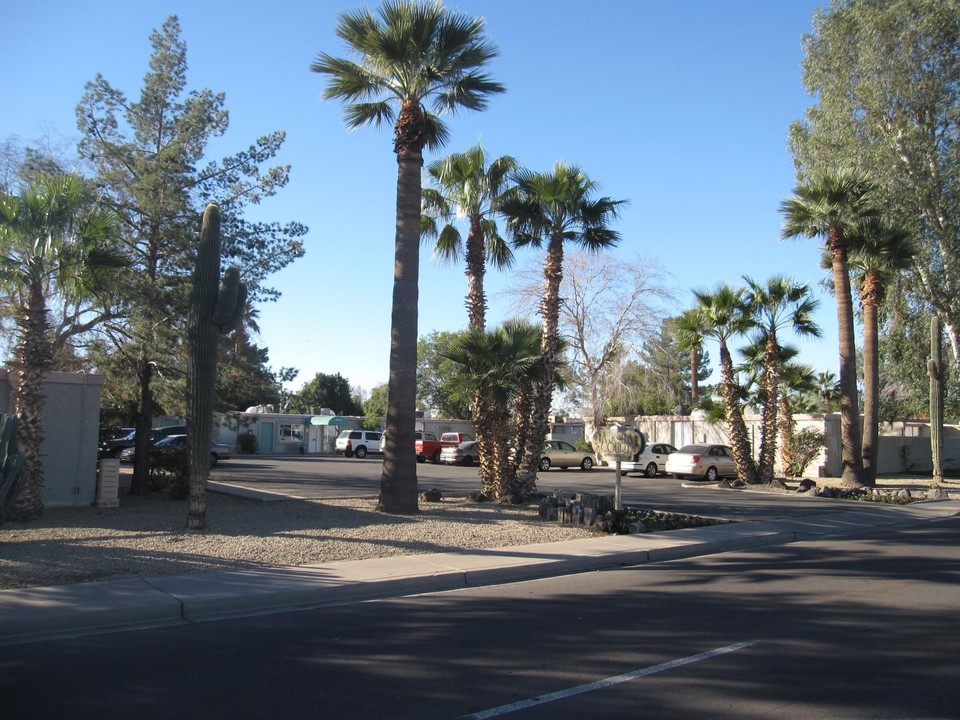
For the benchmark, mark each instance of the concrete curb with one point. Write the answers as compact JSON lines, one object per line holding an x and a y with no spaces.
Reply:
{"x":30,"y":614}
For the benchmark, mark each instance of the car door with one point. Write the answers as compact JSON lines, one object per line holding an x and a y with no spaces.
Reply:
{"x":564,"y":454}
{"x":724,"y":461}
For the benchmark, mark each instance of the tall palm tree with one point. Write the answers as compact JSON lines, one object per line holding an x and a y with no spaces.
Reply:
{"x":496,"y":368}
{"x":410,"y":53}
{"x":878,"y":253}
{"x":777,"y":305}
{"x":53,"y":242}
{"x":828,"y":207}
{"x":466,"y":187}
{"x":554,"y":208}
{"x":724,"y":314}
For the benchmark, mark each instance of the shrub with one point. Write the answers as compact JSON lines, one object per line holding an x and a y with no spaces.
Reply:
{"x":803,"y":448}
{"x":583,"y":445}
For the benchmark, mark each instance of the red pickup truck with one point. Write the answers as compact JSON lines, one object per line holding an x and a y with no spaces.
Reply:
{"x":428,"y":446}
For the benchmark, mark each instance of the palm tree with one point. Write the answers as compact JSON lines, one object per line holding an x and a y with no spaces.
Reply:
{"x":776,"y":306}
{"x":409,"y":54}
{"x":829,"y":207}
{"x":467,"y":188}
{"x":723,"y":315}
{"x":797,"y":381}
{"x":496,"y":368}
{"x":828,"y":391}
{"x":878,"y":252}
{"x":554,"y":208}
{"x":52,"y":242}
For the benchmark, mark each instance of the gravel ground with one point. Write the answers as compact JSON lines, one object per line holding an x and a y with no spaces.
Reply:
{"x":146,"y":536}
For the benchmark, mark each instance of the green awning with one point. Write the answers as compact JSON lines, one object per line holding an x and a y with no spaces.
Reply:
{"x":329,"y":420}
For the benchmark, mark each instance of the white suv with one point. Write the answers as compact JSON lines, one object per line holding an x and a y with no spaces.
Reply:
{"x":359,"y":442}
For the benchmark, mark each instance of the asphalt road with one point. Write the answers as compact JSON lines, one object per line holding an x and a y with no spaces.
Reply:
{"x":318,"y":477}
{"x":861,"y":628}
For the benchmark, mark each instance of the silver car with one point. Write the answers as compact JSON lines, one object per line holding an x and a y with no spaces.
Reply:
{"x":557,"y":453}
{"x":710,"y":462}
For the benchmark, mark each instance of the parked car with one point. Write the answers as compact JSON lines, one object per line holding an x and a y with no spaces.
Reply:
{"x":710,"y":462}
{"x":463,"y":454}
{"x":557,"y":453}
{"x":113,"y":448}
{"x":427,"y":446}
{"x":650,"y":461}
{"x":359,"y":443}
{"x":173,"y":444}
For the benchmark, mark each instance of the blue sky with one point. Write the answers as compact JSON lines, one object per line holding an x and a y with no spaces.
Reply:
{"x":682,"y":108}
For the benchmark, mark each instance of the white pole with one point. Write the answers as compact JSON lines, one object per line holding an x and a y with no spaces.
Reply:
{"x":616,"y":496}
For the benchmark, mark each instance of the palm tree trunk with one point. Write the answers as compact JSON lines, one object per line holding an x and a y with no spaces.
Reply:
{"x":785,"y":426}
{"x":849,"y":401}
{"x":476,"y":266}
{"x":398,"y":483}
{"x":739,"y":439}
{"x":694,"y":380}
{"x":549,"y":344}
{"x":871,"y":393}
{"x":32,"y":359}
{"x":768,"y":425}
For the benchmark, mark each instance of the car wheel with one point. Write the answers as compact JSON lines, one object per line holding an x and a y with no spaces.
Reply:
{"x":712,"y":474}
{"x":360,"y":452}
{"x":586,"y":464}
{"x":213,"y":460}
{"x":544,"y":464}
{"x":650,"y":470}
{"x":348,"y":453}
{"x":436,"y":456}
{"x":467,"y":461}
{"x":421,"y":458}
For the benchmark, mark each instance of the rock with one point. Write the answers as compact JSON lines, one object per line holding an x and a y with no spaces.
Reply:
{"x":903,"y":494}
{"x":478,"y":497}
{"x":806,"y":484}
{"x":431,"y":495}
{"x":725,"y":483}
{"x":936,"y":494}
{"x":778,"y":483}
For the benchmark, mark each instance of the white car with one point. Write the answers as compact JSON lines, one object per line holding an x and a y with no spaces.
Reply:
{"x":463,"y":454}
{"x":650,"y":462}
{"x":359,"y":443}
{"x":710,"y":462}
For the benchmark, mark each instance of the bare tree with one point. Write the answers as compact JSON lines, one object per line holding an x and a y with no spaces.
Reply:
{"x":608,"y":309}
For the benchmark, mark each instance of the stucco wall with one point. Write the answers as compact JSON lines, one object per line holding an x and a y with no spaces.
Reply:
{"x":71,"y":418}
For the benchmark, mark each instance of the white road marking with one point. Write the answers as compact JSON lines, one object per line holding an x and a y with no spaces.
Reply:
{"x":590,"y":687}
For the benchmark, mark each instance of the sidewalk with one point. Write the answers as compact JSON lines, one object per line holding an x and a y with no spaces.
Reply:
{"x":31,"y":614}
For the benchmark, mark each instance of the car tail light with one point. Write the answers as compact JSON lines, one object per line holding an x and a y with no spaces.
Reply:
{"x":695,"y":459}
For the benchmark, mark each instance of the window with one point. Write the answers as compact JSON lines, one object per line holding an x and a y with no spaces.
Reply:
{"x":291,"y":433}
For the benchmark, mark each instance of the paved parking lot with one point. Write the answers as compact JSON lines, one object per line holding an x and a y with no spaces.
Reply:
{"x":326,"y":476}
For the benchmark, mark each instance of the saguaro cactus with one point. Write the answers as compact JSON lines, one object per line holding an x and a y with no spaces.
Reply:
{"x":935,"y":371}
{"x":215,"y":308}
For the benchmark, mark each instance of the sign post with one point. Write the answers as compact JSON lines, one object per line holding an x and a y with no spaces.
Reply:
{"x":619,"y":444}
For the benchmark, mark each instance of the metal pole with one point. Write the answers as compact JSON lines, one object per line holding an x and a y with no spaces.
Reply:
{"x":617,"y":504}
